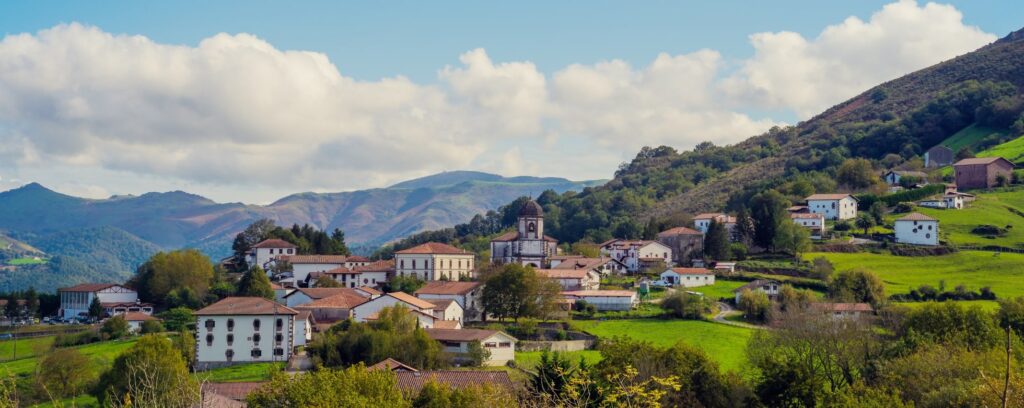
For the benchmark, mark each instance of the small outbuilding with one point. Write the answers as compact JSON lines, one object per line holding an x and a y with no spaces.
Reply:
{"x":917,"y":229}
{"x":688,"y":277}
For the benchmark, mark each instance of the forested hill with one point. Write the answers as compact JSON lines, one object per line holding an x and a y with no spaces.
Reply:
{"x":891,"y":124}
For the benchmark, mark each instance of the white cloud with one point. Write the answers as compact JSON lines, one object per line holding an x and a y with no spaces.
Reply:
{"x":807,"y":76}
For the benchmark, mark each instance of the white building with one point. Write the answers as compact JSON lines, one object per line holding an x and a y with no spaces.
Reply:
{"x":603,"y":265}
{"x":833,"y":206}
{"x":501,"y":346}
{"x":917,"y":229}
{"x":949,"y":201}
{"x":688,"y":277}
{"x":573,"y":279}
{"x":303,"y":265}
{"x":637,"y":254}
{"x":527,"y":245}
{"x":434,"y":261}
{"x":701,"y":222}
{"x":115,"y":299}
{"x":605,"y":299}
{"x":467,"y":294}
{"x":135,"y":320}
{"x":769,"y":287}
{"x":242,"y":330}
{"x":370,"y":308}
{"x":303,"y":331}
{"x":447,"y":309}
{"x":264,"y":253}
{"x":813,"y":223}
{"x":303,"y":296}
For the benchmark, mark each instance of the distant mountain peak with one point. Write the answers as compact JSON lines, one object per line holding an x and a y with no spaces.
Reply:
{"x":1014,"y":36}
{"x":451,"y":178}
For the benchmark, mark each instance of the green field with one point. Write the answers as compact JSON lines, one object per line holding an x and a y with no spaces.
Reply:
{"x":968,"y":136}
{"x":724,"y":344}
{"x":721,"y":289}
{"x":990,"y":208}
{"x":240,"y":373}
{"x":81,"y":401}
{"x":25,"y":261}
{"x":102,"y":354}
{"x":1012,"y":151}
{"x":987,"y":305}
{"x":25,"y":347}
{"x":1004,"y":273}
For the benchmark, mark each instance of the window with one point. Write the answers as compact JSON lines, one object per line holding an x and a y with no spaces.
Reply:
{"x":256,"y":338}
{"x":280,"y":324}
{"x":231,"y":324}
{"x":279,"y":351}
{"x":256,"y":324}
{"x":209,"y":339}
{"x":278,"y":338}
{"x":490,"y":345}
{"x":531,"y":227}
{"x":231,"y":339}
{"x":229,"y":353}
{"x":927,"y":235}
{"x":210,"y":324}
{"x":402,"y":263}
{"x":504,"y":344}
{"x":413,"y":264}
{"x":256,"y":353}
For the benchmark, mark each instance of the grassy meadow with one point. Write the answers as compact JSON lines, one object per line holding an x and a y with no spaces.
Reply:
{"x":996,"y":208}
{"x":1012,"y":151}
{"x":102,"y":355}
{"x":240,"y":373}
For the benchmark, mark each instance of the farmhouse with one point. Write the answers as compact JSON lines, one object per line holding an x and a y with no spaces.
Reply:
{"x":602,"y":265}
{"x":917,"y":229}
{"x":814,"y":223}
{"x":243,"y":330}
{"x":363,"y":311}
{"x":605,"y":299}
{"x":685,"y":243}
{"x":527,"y":245}
{"x":466,"y":294}
{"x":951,"y":201}
{"x":833,"y":206}
{"x":333,"y":308}
{"x":702,"y":221}
{"x":982,"y":172}
{"x":263,"y":253}
{"x":573,"y":279}
{"x":938,"y":156}
{"x":636,"y":254}
{"x":116,"y":299}
{"x":769,"y":287}
{"x":501,"y":345}
{"x":688,"y":277}
{"x":434,"y":261}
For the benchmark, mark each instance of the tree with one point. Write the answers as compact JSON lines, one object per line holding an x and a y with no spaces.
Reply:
{"x":407,"y":284}
{"x":178,"y":319}
{"x":856,"y":173}
{"x":151,"y":326}
{"x":865,"y":221}
{"x":952,"y":324}
{"x":477,"y":354}
{"x":324,"y":281}
{"x":166,"y":272}
{"x":11,"y":309}
{"x":395,"y":334}
{"x":857,"y":285}
{"x":755,"y":305}
{"x":354,"y":386}
{"x":31,"y":302}
{"x":716,"y":241}
{"x":115,"y":328}
{"x":185,"y":343}
{"x":877,"y":211}
{"x":95,"y":308}
{"x":683,"y":305}
{"x":822,"y":268}
{"x":768,"y":210}
{"x":517,"y":291}
{"x":255,"y":283}
{"x":792,"y":238}
{"x":1011,"y":314}
{"x":436,"y":395}
{"x":964,"y":153}
{"x":149,"y":374}
{"x":791,"y":299}
{"x":251,"y":235}
{"x":339,"y":240}
{"x":744,"y":229}
{"x":65,"y":372}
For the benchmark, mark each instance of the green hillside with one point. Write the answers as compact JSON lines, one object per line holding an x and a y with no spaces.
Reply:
{"x":1012,"y":151}
{"x":971,"y":136}
{"x":1003,"y":209}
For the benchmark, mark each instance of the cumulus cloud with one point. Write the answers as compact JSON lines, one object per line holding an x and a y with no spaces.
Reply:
{"x":809,"y":75}
{"x":234,"y":110}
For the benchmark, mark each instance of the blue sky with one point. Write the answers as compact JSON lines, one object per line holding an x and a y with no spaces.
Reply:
{"x":542,"y":88}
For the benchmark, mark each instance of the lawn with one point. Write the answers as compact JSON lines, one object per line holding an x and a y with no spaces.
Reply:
{"x":81,"y":401}
{"x":987,"y":305}
{"x":25,"y":261}
{"x":26,"y":347}
{"x":529,"y":359}
{"x":724,"y":344}
{"x":1012,"y":151}
{"x":721,"y":289}
{"x":240,"y":373}
{"x":990,"y":208}
{"x":102,"y":354}
{"x":1004,"y":273}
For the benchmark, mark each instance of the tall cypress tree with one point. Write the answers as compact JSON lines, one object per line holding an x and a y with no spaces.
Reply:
{"x":716,"y":241}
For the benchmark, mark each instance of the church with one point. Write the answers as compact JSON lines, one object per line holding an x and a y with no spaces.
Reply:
{"x":527,"y":245}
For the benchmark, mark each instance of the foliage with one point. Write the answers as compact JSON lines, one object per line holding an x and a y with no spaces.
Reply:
{"x":476,"y":354}
{"x":115,"y":328}
{"x":307,"y":238}
{"x":864,"y":221}
{"x":1011,"y":314}
{"x":150,"y":373}
{"x":95,"y":308}
{"x":822,"y":269}
{"x":716,"y":241}
{"x":184,"y":273}
{"x":151,"y":326}
{"x":791,"y":238}
{"x":856,"y":173}
{"x":755,"y":305}
{"x":76,"y":339}
{"x":928,"y":293}
{"x":255,"y":283}
{"x":792,"y":299}
{"x":350,"y":387}
{"x":65,"y":373}
{"x":324,"y":281}
{"x":407,"y":284}
{"x":768,"y":211}
{"x":952,"y":324}
{"x":178,"y":319}
{"x":857,"y":285}
{"x":683,"y":305}
{"x":395,"y":334}
{"x":435,"y":395}
{"x":517,"y":291}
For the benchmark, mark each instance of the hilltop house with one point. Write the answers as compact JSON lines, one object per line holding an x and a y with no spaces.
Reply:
{"x":263,"y":253}
{"x":688,"y":277}
{"x":243,"y":330}
{"x":434,"y":261}
{"x":814,"y":223}
{"x":686,"y":244}
{"x":115,"y":299}
{"x":637,"y":254}
{"x":833,"y":206}
{"x":769,"y":287}
{"x":917,"y":229}
{"x":527,"y":245}
{"x":502,"y":347}
{"x":466,"y":294}
{"x":573,"y":279}
{"x":938,"y":156}
{"x":982,"y":172}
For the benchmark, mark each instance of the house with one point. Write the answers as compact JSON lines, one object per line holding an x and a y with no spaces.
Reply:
{"x":844,"y":310}
{"x":702,"y":221}
{"x":303,"y":332}
{"x":280,"y":292}
{"x":390,"y":364}
{"x":527,"y":245}
{"x":814,"y":223}
{"x":366,"y":309}
{"x":411,"y":382}
{"x":263,"y":253}
{"x":116,"y":299}
{"x":982,"y":172}
{"x":573,"y":279}
{"x":135,"y":320}
{"x":725,"y":267}
{"x":769,"y":287}
{"x":434,"y":261}
{"x":467,"y":294}
{"x":425,"y":320}
{"x":603,"y":265}
{"x":685,"y":243}
{"x":688,"y":277}
{"x":447,"y":309}
{"x":938,"y":156}
{"x":637,"y":254}
{"x":374,"y":274}
{"x":917,"y":229}
{"x":501,"y":345}
{"x":833,"y":206}
{"x":605,"y":299}
{"x":260,"y":330}
{"x":333,"y":308}
{"x":893,"y":177}
{"x":303,"y":296}
{"x":952,"y":201}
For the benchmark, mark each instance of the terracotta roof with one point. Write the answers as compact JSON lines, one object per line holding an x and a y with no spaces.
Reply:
{"x":371,"y":291}
{"x":460,"y":335}
{"x":448,"y":324}
{"x":215,"y":400}
{"x":313,"y":259}
{"x":563,"y":273}
{"x":320,"y":293}
{"x":441,"y":304}
{"x":631,"y":243}
{"x":304,"y":315}
{"x":234,"y":390}
{"x":755,"y":284}
{"x":844,"y":307}
{"x":274,"y":243}
{"x":87,"y":287}
{"x":806,"y":215}
{"x":980,"y":160}
{"x":125,"y":304}
{"x":275,"y":286}
{"x":605,"y":293}
{"x":583,"y":263}
{"x":531,"y":209}
{"x":391,"y":364}
{"x":137,"y":317}
{"x":357,"y":258}
{"x":245,"y":306}
{"x":680,"y":231}
{"x":413,"y":381}
{"x":447,"y":288}
{"x":434,"y":248}
{"x":692,"y":271}
{"x":797,"y":208}
{"x":565,"y":257}
{"x":341,"y":271}
{"x":379,"y":266}
{"x":708,"y":216}
{"x":514,"y":235}
{"x":412,"y":300}
{"x":345,"y":300}
{"x":829,"y":196}
{"x":916,"y":217}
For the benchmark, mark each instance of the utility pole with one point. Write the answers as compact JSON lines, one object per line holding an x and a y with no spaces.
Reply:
{"x":1006,"y":381}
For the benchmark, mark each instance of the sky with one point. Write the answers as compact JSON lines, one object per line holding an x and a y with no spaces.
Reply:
{"x":251,"y":101}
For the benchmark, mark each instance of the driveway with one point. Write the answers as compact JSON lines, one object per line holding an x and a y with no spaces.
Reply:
{"x":725,"y":309}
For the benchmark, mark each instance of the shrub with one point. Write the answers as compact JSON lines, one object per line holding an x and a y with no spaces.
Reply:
{"x":902,"y":208}
{"x":989,"y":230}
{"x":152,"y":326}
{"x":683,"y":305}
{"x":115,"y":328}
{"x":76,"y":339}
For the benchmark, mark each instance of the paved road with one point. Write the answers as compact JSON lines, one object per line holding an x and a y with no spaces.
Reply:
{"x":723,"y":310}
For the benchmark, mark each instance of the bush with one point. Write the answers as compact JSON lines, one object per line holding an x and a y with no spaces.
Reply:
{"x":115,"y":328}
{"x":76,"y":339}
{"x":903,"y":208}
{"x":842,"y":226}
{"x":683,"y":305}
{"x":989,"y":230}
{"x":738,"y":251}
{"x":152,"y":326}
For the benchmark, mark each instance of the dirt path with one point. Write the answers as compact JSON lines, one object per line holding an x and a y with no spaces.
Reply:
{"x":723,"y":310}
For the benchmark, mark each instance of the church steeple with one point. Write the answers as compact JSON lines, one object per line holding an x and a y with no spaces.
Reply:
{"x":531,"y":221}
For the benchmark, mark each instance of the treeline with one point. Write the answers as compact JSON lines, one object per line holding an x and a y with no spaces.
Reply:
{"x":307,"y":238}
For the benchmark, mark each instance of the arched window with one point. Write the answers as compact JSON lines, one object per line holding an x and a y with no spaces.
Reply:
{"x":256,"y":324}
{"x":531,"y":227}
{"x":256,"y":338}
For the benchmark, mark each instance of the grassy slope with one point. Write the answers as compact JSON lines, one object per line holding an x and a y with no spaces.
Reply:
{"x":240,"y":373}
{"x":721,"y":288}
{"x":1012,"y":151}
{"x":102,"y":354}
{"x":990,"y":208}
{"x":969,"y":136}
{"x":26,"y":347}
{"x":724,"y":344}
{"x":529,"y":359}
{"x":1004,"y":273}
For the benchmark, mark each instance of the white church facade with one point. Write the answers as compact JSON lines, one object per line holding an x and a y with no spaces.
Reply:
{"x":527,"y":245}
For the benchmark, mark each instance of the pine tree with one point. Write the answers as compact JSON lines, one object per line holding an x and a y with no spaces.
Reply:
{"x":255,"y":283}
{"x":95,"y":308}
{"x":716,"y":241}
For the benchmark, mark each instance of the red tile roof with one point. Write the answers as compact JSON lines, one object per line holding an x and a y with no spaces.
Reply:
{"x":563,"y":273}
{"x":274,"y":243}
{"x":137,"y":317}
{"x":371,"y":291}
{"x":341,"y":271}
{"x":460,"y":335}
{"x":514,"y":236}
{"x":379,"y":266}
{"x":447,"y":288}
{"x":980,"y":160}
{"x":234,"y":390}
{"x":357,"y":258}
{"x":605,"y":293}
{"x":413,"y":381}
{"x":314,"y":259}
{"x":447,"y":324}
{"x":245,"y":306}
{"x":87,"y":287}
{"x":391,"y":364}
{"x":441,"y":304}
{"x":829,"y":196}
{"x":337,"y":301}
{"x":412,"y":300}
{"x":433,"y":248}
{"x":916,"y":217}
{"x":680,"y":231}
{"x":320,"y":293}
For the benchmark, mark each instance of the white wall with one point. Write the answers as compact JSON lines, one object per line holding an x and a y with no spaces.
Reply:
{"x":302,"y":270}
{"x":243,"y":334}
{"x":689,"y":281}
{"x":917,"y":232}
{"x":302,"y":332}
{"x":610,"y":302}
{"x":359,"y":313}
{"x":844,"y":209}
{"x":433,"y":266}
